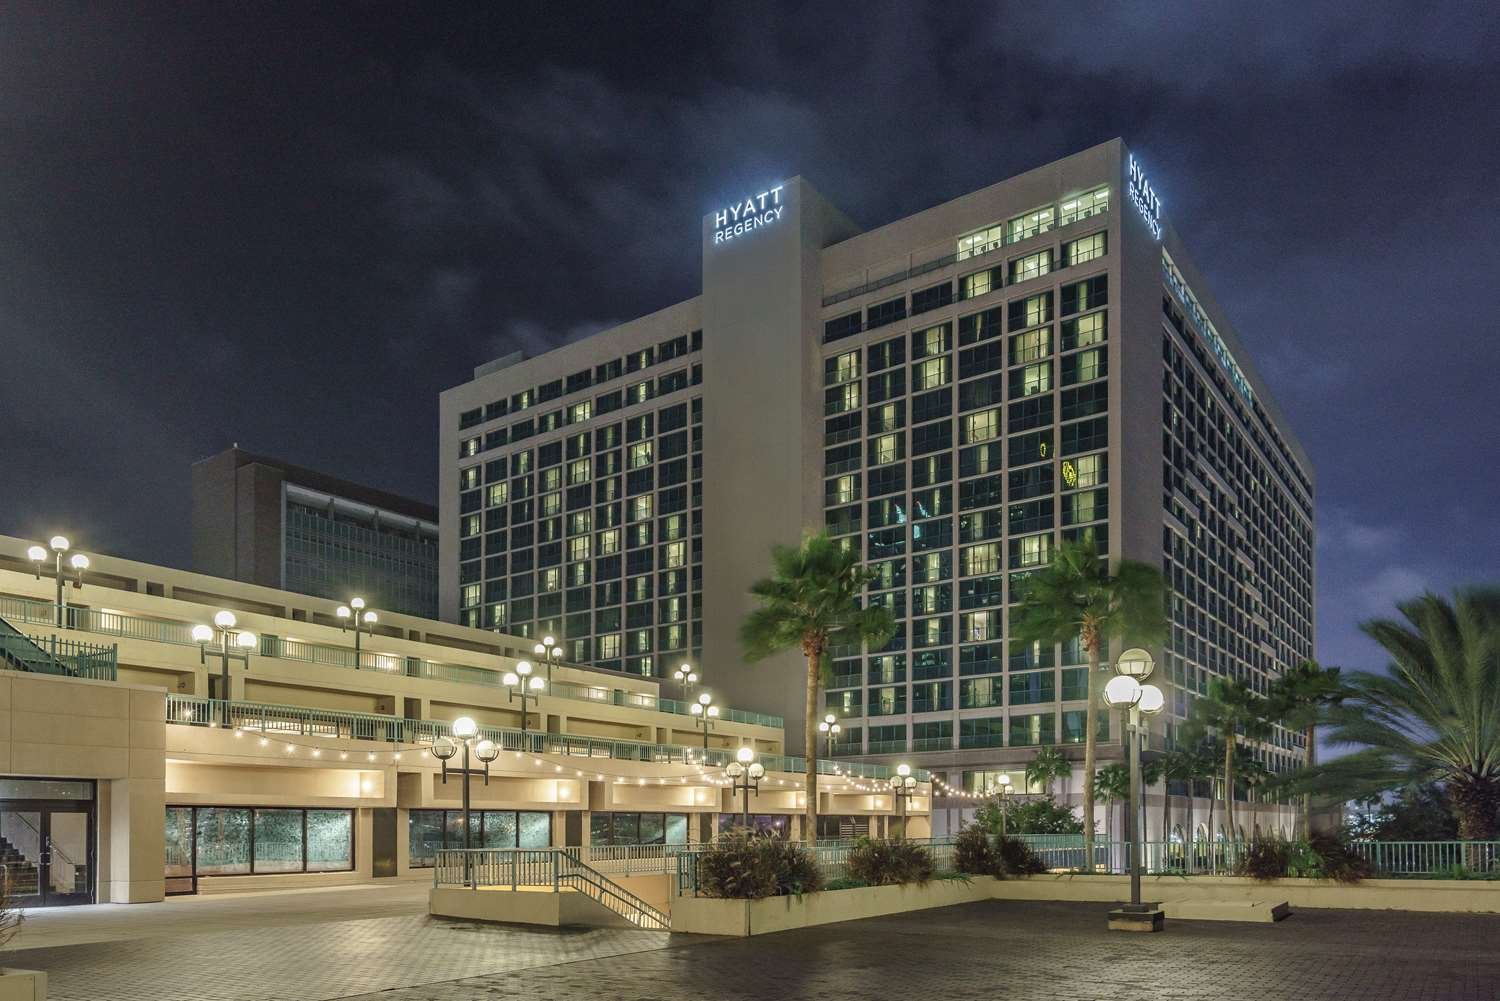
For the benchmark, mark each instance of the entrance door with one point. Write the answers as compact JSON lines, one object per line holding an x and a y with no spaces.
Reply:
{"x":47,"y":852}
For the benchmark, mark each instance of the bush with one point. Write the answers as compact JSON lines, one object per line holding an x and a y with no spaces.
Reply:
{"x":744,"y":865}
{"x":1336,"y":861}
{"x":884,"y":863}
{"x":1017,"y":857}
{"x":1321,"y":857}
{"x":1265,"y":859}
{"x":1042,"y":815}
{"x":972,"y":852}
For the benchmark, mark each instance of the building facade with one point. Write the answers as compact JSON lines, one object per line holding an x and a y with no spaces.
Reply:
{"x":121,"y":779}
{"x":264,"y":521}
{"x":953,"y":395}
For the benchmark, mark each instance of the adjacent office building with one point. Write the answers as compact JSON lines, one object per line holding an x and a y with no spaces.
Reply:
{"x":267,"y":522}
{"x":952,"y":394}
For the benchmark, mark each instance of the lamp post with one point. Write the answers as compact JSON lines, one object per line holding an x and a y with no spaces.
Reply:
{"x":464,"y":731}
{"x":687,"y":678}
{"x":830,"y":728}
{"x":520,"y":682}
{"x":228,"y":639}
{"x":903,"y":786}
{"x":1005,"y":792}
{"x":362,"y":620}
{"x":704,"y":714}
{"x":1125,"y":692}
{"x":744,"y":766}
{"x":78,"y":562}
{"x":548,"y":650}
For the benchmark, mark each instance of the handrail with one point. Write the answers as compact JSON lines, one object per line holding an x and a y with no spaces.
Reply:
{"x":55,"y":656}
{"x":272,"y":718}
{"x":180,"y":634}
{"x":555,"y":867}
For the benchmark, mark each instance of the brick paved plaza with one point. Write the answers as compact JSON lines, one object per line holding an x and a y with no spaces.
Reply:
{"x":247,"y":950}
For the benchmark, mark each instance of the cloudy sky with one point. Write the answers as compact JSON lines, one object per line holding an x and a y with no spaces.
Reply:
{"x":292,"y":226}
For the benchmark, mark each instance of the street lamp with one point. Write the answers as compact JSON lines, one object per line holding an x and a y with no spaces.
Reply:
{"x":1005,"y":792}
{"x":1125,"y":692}
{"x":903,"y":786}
{"x":464,"y":731}
{"x":686,"y":677}
{"x":549,"y":650}
{"x":78,"y":562}
{"x":362,"y":620}
{"x":232,"y":645}
{"x":744,"y":766}
{"x":520,"y":682}
{"x":830,"y":727}
{"x":704,"y":713}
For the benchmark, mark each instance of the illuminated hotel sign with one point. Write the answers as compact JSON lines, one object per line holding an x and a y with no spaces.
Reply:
{"x":1145,"y":198}
{"x":1204,"y":326}
{"x":751,"y":214}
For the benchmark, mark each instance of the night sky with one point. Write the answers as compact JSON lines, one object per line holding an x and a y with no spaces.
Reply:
{"x":292,"y":227}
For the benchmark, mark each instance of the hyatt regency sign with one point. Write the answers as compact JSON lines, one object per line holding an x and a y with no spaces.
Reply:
{"x":752,"y":213}
{"x":1146,"y":202}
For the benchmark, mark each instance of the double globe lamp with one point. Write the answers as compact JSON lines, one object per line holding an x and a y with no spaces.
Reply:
{"x":1125,"y":691}
{"x":464,"y":730}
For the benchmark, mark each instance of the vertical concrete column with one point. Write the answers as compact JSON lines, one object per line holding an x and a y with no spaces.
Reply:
{"x":136,"y":808}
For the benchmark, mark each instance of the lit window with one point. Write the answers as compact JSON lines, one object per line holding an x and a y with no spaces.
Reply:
{"x":640,"y":508}
{"x":1035,"y":550}
{"x":981,"y":559}
{"x":845,"y":367}
{"x":981,"y":426}
{"x":1036,"y":309}
{"x":549,"y":580}
{"x":1031,"y":224}
{"x":551,"y":478}
{"x":1036,"y":379}
{"x":977,"y":284}
{"x":1090,"y":364}
{"x":578,"y":549}
{"x":580,"y":412}
{"x":609,"y":542}
{"x":1031,"y":345}
{"x":676,"y":555}
{"x":470,"y":526}
{"x":580,"y":471}
{"x":609,"y":646}
{"x":1090,"y":203}
{"x":1031,"y":266}
{"x":1089,"y":330}
{"x":978,"y":627}
{"x":499,"y":494}
{"x":846,"y":489}
{"x":1083,"y":249}
{"x":469,"y":596}
{"x":930,"y":373}
{"x":551,"y":504}
{"x":887,"y":448}
{"x":468,"y":447}
{"x":580,"y":522}
{"x":1083,"y":471}
{"x":640,"y":455}
{"x":981,"y":242}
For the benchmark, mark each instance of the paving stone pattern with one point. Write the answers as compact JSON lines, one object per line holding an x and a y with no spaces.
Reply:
{"x":991,"y":951}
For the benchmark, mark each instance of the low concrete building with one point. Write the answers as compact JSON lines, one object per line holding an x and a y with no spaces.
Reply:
{"x":122,"y":779}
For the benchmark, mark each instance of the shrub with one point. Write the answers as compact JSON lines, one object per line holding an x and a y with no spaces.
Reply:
{"x":884,"y":863}
{"x":972,"y":852}
{"x":1265,"y":859}
{"x":1017,"y":858}
{"x":1321,"y":857}
{"x":1042,"y":815}
{"x":1336,"y":861}
{"x":745,"y":865}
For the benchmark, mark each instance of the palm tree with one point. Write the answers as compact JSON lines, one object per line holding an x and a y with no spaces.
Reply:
{"x":1233,"y":709}
{"x":1435,"y":717}
{"x":1077,"y":596}
{"x":1302,"y":699}
{"x":1257,"y":779}
{"x":1176,"y":765}
{"x":1047,"y":766}
{"x":1111,"y":785}
{"x":812,"y":603}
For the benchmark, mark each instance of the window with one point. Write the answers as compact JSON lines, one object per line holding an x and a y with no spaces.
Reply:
{"x":935,"y":297}
{"x":1032,"y":379}
{"x":886,"y":448}
{"x":978,"y":283}
{"x":578,"y":548}
{"x":580,"y":412}
{"x":1029,"y":731}
{"x":232,"y":840}
{"x":841,"y":368}
{"x":980,"y":426}
{"x":842,"y":489}
{"x":431,"y":830}
{"x":1031,"y":345}
{"x":985,"y":732}
{"x":882,"y":313}
{"x":1084,"y":471}
{"x":930,"y":342}
{"x":1028,"y":688}
{"x":841,"y":327}
{"x":1030,"y":551}
{"x":1023,"y":227}
{"x":1084,"y":331}
{"x":1090,"y":203}
{"x":1031,"y":266}
{"x":580,"y":471}
{"x":981,"y":559}
{"x":978,"y":627}
{"x":1084,"y":249}
{"x":638,"y":828}
{"x":1031,"y":311}
{"x":1084,"y":366}
{"x":1086,"y":505}
{"x":609,"y":542}
{"x":980,"y":693}
{"x":980,"y":242}
{"x":930,"y":373}
{"x":1091,"y":293}
{"x":640,"y":455}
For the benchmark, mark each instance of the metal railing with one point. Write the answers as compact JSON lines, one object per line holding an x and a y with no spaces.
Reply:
{"x":1430,"y":858}
{"x":555,"y":868}
{"x":270,"y":718}
{"x":136,"y":627}
{"x":60,"y":657}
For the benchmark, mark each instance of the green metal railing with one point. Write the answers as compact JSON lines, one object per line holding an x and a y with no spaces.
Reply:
{"x":555,"y":868}
{"x":137,"y":627}
{"x":272,"y":719}
{"x":61,"y":657}
{"x":1430,"y":858}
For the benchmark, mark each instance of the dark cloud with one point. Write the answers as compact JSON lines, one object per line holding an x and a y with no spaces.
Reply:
{"x":292,"y":226}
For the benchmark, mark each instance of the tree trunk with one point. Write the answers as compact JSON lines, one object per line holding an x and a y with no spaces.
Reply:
{"x":810,"y":724}
{"x":1090,"y":726}
{"x":1311,"y":759}
{"x":1476,"y":804}
{"x":1166,"y":812}
{"x":1229,"y":786}
{"x":1213,"y":842}
{"x":1190,"y":835}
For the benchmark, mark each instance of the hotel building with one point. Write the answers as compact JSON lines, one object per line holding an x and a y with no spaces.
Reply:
{"x":953,"y":394}
{"x":122,"y":780}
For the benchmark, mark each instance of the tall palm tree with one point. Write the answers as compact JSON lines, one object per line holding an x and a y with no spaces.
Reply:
{"x":1302,"y":699}
{"x":1232,"y":709}
{"x":1047,"y":766}
{"x":1077,"y":596}
{"x":812,"y":603}
{"x":1435,"y":717}
{"x":1176,"y":765}
{"x":1112,"y":785}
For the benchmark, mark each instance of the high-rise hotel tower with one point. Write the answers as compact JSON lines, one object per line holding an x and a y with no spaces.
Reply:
{"x":953,"y":394}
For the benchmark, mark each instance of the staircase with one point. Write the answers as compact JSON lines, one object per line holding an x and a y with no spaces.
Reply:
{"x":19,"y":652}
{"x":25,"y":879}
{"x":551,"y":868}
{"x":590,"y":881}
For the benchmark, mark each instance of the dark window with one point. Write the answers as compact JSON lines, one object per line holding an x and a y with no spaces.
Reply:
{"x":882,"y":313}
{"x":979,"y":326}
{"x":843,"y":326}
{"x":931,"y":298}
{"x":1090,"y":293}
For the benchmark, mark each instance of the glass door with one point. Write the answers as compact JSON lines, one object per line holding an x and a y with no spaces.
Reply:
{"x":67,"y":870}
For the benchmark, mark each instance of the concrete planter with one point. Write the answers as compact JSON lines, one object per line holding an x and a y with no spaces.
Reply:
{"x":22,"y":985}
{"x":1462,"y":896}
{"x":712,"y":916}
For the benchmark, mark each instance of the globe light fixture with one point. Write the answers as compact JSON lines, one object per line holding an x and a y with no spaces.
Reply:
{"x":464,"y":727}
{"x":903,"y":786}
{"x":78,"y":563}
{"x":464,"y":731}
{"x":548,"y":651}
{"x":744,"y":766}
{"x":1122,"y":691}
{"x":520,"y":683}
{"x":829,"y":727}
{"x":1126,"y":692}
{"x":355,"y":614}
{"x":224,"y":642}
{"x":704,"y":713}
